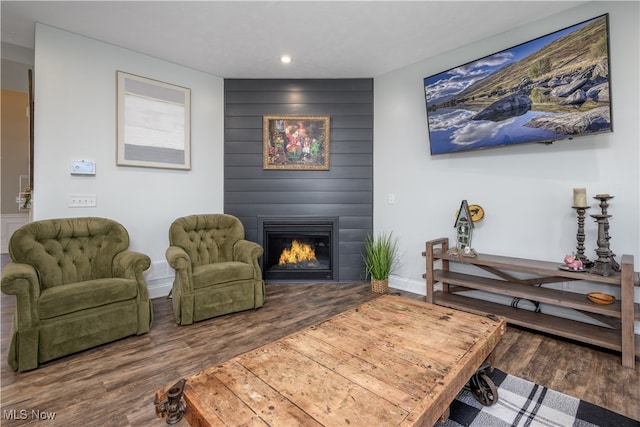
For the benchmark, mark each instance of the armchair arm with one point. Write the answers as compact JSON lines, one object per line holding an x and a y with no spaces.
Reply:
{"x":22,"y":281}
{"x":131,"y":265}
{"x":179,"y":260}
{"x":249,"y":252}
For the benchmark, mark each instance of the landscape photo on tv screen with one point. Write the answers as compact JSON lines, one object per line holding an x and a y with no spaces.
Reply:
{"x":551,"y":88}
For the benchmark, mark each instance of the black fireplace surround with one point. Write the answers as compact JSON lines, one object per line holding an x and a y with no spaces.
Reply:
{"x":300,"y":249}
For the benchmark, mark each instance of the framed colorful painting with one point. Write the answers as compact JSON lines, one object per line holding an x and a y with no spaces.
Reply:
{"x":293,"y":142}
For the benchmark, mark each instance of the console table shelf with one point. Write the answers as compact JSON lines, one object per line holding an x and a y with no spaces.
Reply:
{"x":618,"y":317}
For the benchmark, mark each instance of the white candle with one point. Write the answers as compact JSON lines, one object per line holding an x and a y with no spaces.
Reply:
{"x":580,"y":197}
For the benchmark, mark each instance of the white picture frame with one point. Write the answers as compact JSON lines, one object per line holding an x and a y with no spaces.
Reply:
{"x":153,"y":123}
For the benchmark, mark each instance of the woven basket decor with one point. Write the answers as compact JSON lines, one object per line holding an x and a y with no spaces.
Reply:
{"x":379,"y":286}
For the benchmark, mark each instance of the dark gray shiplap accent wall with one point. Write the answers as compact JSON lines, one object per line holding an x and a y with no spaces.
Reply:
{"x":345,"y":191}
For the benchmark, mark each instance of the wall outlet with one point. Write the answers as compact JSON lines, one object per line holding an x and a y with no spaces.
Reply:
{"x":82,"y":201}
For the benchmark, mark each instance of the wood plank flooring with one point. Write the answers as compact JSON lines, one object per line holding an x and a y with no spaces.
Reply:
{"x":115,"y":384}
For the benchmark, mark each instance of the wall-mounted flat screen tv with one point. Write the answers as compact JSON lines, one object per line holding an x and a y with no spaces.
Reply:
{"x":550,"y":88}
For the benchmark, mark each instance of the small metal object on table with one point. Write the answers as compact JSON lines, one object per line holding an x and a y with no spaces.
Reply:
{"x":605,"y":264}
{"x":171,"y":404}
{"x":581,"y":210}
{"x":392,"y":361}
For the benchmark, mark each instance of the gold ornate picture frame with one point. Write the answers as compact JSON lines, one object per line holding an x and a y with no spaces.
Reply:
{"x":294,"y":142}
{"x":153,"y":121}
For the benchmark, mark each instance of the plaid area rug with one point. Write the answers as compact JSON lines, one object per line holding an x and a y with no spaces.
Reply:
{"x":523,"y":403}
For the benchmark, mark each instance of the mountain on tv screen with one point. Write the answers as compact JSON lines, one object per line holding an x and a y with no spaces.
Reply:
{"x":550,"y":88}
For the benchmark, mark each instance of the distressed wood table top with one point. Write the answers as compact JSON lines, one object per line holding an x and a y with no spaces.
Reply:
{"x":392,"y":361}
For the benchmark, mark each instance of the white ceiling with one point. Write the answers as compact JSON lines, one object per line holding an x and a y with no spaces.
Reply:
{"x":245,"y":39}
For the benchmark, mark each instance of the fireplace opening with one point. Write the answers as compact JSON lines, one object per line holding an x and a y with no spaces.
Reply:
{"x":298,"y":249}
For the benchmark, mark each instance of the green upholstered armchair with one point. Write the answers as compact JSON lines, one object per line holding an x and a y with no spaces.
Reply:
{"x":76,"y":285}
{"x":217,"y":270}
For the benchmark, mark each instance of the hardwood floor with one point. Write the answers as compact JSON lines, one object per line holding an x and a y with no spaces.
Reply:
{"x":115,"y":384}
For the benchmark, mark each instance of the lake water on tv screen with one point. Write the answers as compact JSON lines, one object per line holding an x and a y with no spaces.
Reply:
{"x":453,"y":130}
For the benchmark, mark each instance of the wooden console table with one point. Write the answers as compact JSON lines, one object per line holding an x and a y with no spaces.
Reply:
{"x":392,"y":361}
{"x":619,"y":316}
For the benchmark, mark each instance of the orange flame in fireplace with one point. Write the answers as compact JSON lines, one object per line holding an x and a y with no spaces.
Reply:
{"x":299,"y":252}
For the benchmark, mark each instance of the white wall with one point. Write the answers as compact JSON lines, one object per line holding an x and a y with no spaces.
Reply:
{"x":525,"y":190}
{"x":75,"y":119}
{"x":18,"y":54}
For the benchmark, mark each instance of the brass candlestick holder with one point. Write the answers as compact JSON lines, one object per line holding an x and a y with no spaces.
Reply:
{"x":581,"y":210}
{"x":605,"y":263}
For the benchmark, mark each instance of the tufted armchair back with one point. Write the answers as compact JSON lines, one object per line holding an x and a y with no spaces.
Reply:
{"x":69,"y":250}
{"x":206,"y":238}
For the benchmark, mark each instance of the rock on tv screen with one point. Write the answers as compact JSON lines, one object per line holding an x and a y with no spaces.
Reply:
{"x":550,"y":88}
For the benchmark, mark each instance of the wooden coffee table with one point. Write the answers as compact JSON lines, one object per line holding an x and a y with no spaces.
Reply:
{"x":392,"y":361}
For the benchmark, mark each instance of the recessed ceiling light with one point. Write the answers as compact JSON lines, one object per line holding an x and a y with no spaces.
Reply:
{"x":285,"y":59}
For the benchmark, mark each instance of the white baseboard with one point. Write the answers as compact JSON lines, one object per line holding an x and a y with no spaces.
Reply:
{"x":159,"y":278}
{"x":159,"y":289}
{"x":403,"y":284}
{"x":8,"y":224}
